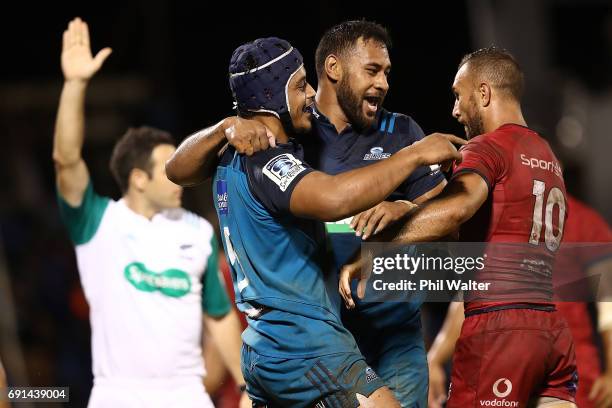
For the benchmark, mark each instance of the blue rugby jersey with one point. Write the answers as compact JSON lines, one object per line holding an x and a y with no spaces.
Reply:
{"x":282,"y":279}
{"x":333,"y":153}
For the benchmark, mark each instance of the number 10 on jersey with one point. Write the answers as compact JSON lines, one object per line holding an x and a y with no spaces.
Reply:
{"x":555,"y":198}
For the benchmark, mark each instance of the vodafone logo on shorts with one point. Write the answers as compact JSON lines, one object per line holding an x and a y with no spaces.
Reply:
{"x":501,"y":389}
{"x":508,"y":386}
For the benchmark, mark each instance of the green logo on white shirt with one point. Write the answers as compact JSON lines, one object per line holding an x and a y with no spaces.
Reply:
{"x":171,"y":282}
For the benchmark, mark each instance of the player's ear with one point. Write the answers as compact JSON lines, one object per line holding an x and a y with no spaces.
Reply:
{"x":333,"y":68}
{"x":138,"y":179}
{"x":484,"y":92}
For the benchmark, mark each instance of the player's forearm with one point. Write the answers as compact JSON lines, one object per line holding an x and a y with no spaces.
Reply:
{"x":70,"y":123}
{"x":443,"y":346}
{"x":430,"y":222}
{"x":442,"y":216}
{"x":197,"y":156}
{"x":226,"y":334}
{"x":358,"y":190}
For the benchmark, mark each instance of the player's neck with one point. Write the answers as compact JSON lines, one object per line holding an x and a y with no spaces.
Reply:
{"x":137,"y":203}
{"x":327,"y":103}
{"x":275,"y":126}
{"x":503,"y":115}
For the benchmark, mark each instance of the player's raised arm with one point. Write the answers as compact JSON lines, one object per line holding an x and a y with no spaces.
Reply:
{"x":330,"y":198}
{"x":78,"y":66}
{"x":196,"y":158}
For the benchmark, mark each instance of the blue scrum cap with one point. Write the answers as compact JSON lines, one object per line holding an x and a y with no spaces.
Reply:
{"x":259,"y":74}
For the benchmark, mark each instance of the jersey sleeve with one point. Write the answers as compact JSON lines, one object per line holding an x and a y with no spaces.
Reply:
{"x":273,"y":174}
{"x":83,"y":221}
{"x":483,"y":157}
{"x":215,"y":301}
{"x":424,"y":178}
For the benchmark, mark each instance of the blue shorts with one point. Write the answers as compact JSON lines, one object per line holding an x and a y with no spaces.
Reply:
{"x":332,"y":381}
{"x":395,"y":350}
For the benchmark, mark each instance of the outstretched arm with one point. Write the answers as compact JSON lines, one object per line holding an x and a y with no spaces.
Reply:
{"x":330,"y":198}
{"x":78,"y":67}
{"x":439,"y":217}
{"x":434,"y":220}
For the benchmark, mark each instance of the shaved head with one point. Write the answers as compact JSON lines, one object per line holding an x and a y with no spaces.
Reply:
{"x":497,"y":67}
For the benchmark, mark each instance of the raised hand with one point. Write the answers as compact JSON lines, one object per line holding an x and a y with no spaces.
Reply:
{"x":77,"y":61}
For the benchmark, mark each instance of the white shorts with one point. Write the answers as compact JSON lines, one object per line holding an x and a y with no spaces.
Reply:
{"x":149,"y":393}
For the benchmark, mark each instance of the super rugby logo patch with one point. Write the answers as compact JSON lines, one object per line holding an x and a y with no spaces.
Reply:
{"x":282,"y":169}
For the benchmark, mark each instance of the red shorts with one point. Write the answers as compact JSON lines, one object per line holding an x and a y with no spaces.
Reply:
{"x":506,"y":358}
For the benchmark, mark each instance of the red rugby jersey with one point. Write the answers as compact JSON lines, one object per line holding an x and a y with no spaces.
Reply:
{"x":583,"y":226}
{"x":524,"y":214}
{"x":587,"y":227}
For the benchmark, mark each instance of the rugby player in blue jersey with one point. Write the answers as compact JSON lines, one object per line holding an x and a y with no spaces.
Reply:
{"x":354,"y":131}
{"x":297,"y":353}
{"x":350,"y":130}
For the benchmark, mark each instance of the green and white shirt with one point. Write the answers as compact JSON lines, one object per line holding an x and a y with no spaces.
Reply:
{"x":147,"y":282}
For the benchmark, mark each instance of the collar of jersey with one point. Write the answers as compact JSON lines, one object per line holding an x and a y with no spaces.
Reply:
{"x":138,"y":216}
{"x":324,"y":121}
{"x":505,"y":125}
{"x":291,"y":143}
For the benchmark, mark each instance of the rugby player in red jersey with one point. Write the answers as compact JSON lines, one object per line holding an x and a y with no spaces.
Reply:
{"x":583,"y":225}
{"x":508,"y":189}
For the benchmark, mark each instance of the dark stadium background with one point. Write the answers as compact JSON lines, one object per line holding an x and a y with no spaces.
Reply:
{"x":169,"y":69}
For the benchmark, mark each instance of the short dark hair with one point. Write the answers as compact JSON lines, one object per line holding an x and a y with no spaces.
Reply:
{"x":133,"y":151}
{"x":342,"y":37}
{"x":499,"y":67}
